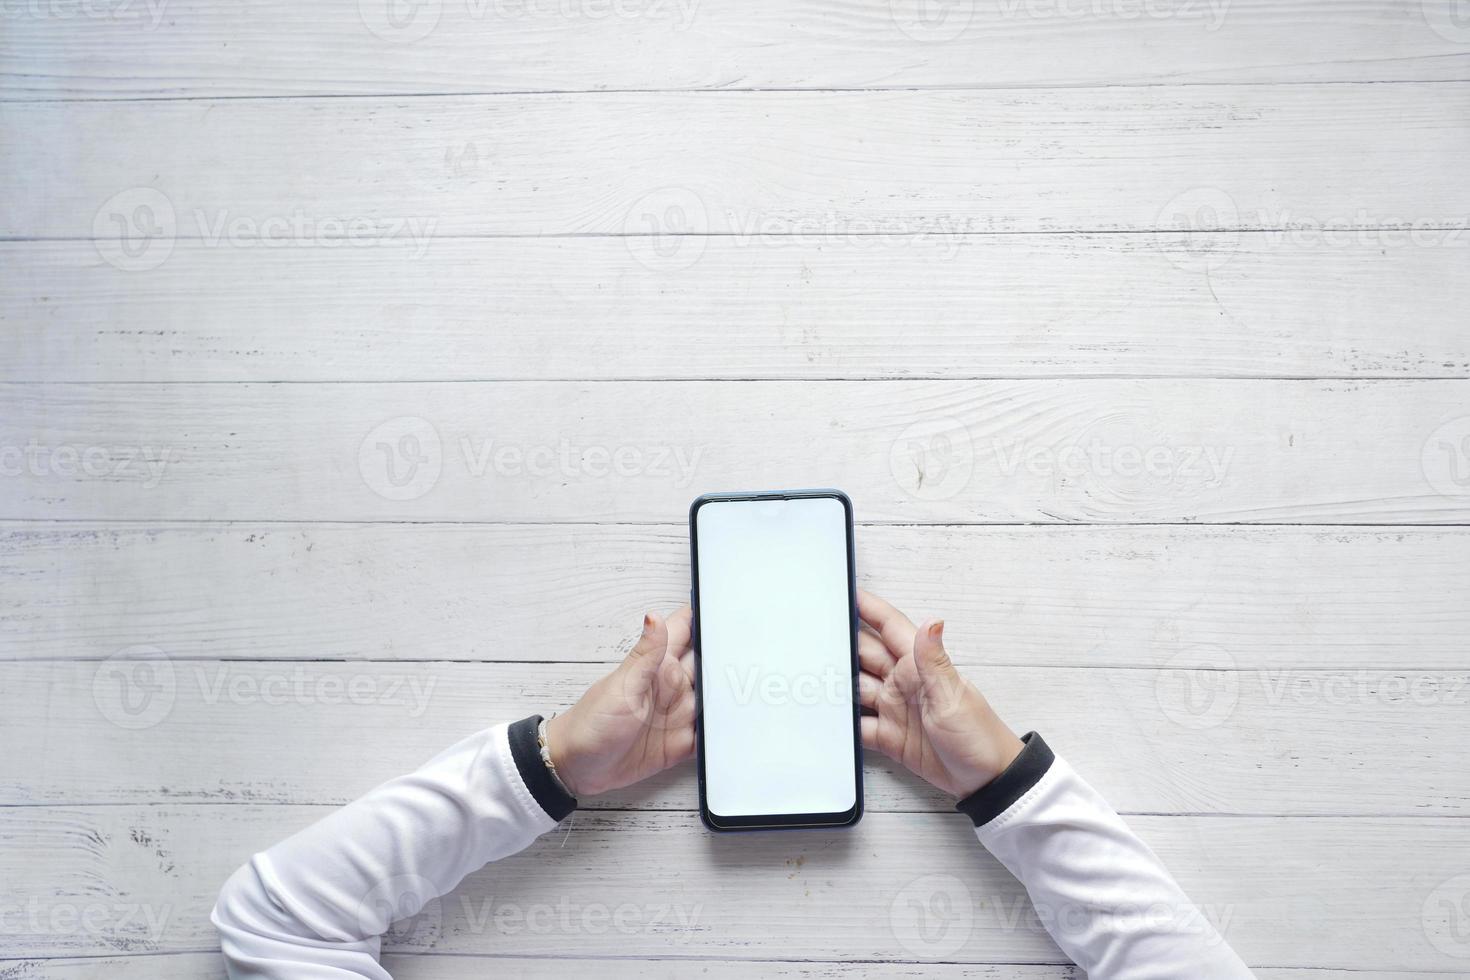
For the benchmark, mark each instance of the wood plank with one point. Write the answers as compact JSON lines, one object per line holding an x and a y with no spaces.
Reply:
{"x":1272,"y":304}
{"x":1308,"y":742}
{"x":212,"y":47}
{"x":1268,"y":598}
{"x":367,"y":171}
{"x":144,"y":879}
{"x":208,"y":966}
{"x":921,"y":452}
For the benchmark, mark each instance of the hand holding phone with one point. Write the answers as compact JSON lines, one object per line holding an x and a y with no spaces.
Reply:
{"x":925,"y":715}
{"x":634,"y":722}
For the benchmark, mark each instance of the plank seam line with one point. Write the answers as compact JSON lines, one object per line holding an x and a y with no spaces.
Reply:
{"x":179,"y":523}
{"x":208,"y":522}
{"x":11,"y":663}
{"x":744,"y":379}
{"x":1447,"y":225}
{"x":653,"y":958}
{"x":712,"y":91}
{"x":266,"y":804}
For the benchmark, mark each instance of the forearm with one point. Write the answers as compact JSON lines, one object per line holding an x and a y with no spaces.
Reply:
{"x":1100,"y":892}
{"x":315,"y":905}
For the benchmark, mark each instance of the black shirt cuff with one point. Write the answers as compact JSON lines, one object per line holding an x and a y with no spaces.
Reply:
{"x":556,"y":801}
{"x":1001,"y":793}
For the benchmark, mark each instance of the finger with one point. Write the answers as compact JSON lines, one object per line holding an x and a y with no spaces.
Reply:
{"x":870,"y":733}
{"x":896,"y":629}
{"x":877,"y":735}
{"x":678,"y":671}
{"x":873,"y":655}
{"x":870,"y":690}
{"x":685,"y":703}
{"x":679,"y":625}
{"x":681,"y":715}
{"x":680,"y":744}
{"x":672,"y":682}
{"x":901,"y":686}
{"x":939,"y":682}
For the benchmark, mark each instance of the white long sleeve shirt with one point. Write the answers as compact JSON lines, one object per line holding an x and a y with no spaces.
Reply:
{"x":315,"y":906}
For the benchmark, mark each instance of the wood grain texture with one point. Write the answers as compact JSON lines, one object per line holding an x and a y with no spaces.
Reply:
{"x":368,"y":171}
{"x":209,"y":966}
{"x":1308,"y":742}
{"x":578,"y":237}
{"x":1268,"y":304}
{"x":1358,"y":893}
{"x":922,"y":452}
{"x":213,"y":47}
{"x":1266,"y":598}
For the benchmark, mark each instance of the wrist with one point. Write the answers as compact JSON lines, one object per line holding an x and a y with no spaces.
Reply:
{"x":1011,"y":786}
{"x":1007,"y":748}
{"x":999,"y":748}
{"x":564,"y":756}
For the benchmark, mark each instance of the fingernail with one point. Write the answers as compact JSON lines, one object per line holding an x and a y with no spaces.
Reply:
{"x":647,"y":622}
{"x":936,"y":631}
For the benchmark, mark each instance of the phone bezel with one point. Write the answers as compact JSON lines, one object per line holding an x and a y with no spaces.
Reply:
{"x":776,"y":821}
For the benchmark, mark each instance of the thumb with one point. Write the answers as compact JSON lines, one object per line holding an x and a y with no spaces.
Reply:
{"x":648,"y":652}
{"x":939,"y":683}
{"x":640,"y":667}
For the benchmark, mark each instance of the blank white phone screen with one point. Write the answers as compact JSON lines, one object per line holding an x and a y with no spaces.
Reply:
{"x":775,"y":657}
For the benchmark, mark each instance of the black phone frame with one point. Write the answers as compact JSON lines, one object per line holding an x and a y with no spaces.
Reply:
{"x":776,"y":821}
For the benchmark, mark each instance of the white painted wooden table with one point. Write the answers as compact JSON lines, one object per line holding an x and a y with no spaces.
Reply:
{"x":360,"y":362}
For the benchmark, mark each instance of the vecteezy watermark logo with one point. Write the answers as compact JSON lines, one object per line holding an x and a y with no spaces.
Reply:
{"x":145,"y":464}
{"x":407,"y":21}
{"x":666,"y":229}
{"x":122,"y":925}
{"x":229,"y":683}
{"x":135,"y":230}
{"x":1212,"y":225}
{"x":1198,"y":688}
{"x":147,"y":12}
{"x":1127,"y":456}
{"x":933,"y":459}
{"x":671,"y":920}
{"x":401,"y":459}
{"x":135,"y":688}
{"x":221,"y":229}
{"x":1445,"y":458}
{"x":1347,"y":687}
{"x":932,"y":916}
{"x":1208,"y":216}
{"x":756,"y":685}
{"x":1446,"y":917}
{"x":932,"y":21}
{"x":807,"y":229}
{"x":1450,"y":19}
{"x":405,"y":910}
{"x":400,"y":21}
{"x":579,"y":462}
{"x":1116,"y":466}
{"x":1211,"y":13}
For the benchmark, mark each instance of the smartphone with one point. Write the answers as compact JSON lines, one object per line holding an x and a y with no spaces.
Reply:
{"x":776,"y":663}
